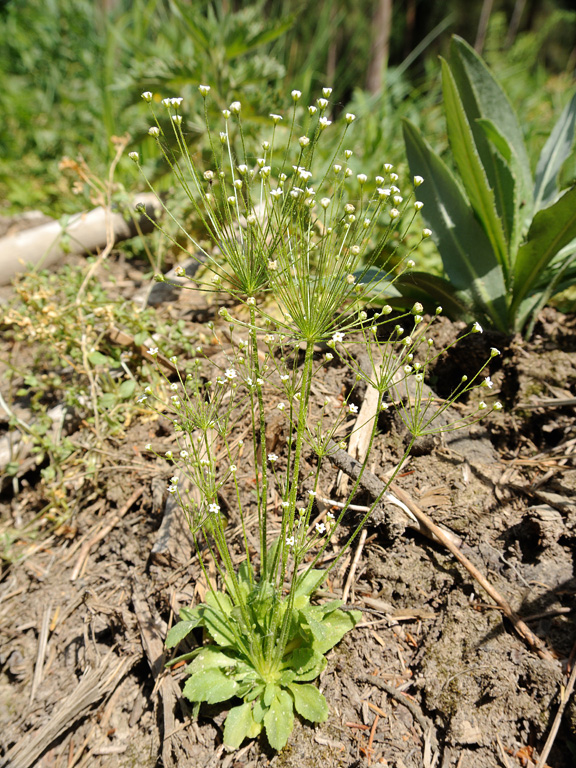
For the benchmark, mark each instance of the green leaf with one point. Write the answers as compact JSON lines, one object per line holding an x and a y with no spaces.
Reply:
{"x":505,"y":171}
{"x":470,"y":166}
{"x":179,"y":631}
{"x":127,"y":388}
{"x":279,"y":720}
{"x":466,"y":252}
{"x":107,"y":401}
{"x":309,"y":702}
{"x":211,"y":685}
{"x":433,"y":290}
{"x":240,"y":724}
{"x":211,"y":657}
{"x":556,"y":151}
{"x":484,"y":99}
{"x":97,"y":358}
{"x":310,"y":581}
{"x":270,"y":692}
{"x":335,"y":626}
{"x":552,"y":228}
{"x":306,"y":663}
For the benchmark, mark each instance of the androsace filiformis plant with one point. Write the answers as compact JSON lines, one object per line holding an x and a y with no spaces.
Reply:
{"x":288,"y":247}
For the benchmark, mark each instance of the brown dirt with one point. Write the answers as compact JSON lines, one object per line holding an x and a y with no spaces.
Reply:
{"x":81,"y":659}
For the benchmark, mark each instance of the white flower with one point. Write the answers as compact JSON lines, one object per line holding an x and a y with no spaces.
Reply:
{"x":204,"y":89}
{"x":477,"y":328}
{"x":349,"y":118}
{"x":276,"y":193}
{"x":322,"y":103}
{"x":388,"y":167}
{"x":417,"y":308}
{"x":296,"y":94}
{"x":172,"y":489}
{"x":285,"y":504}
{"x":418,"y":180}
{"x":266,"y":146}
{"x":355,"y":250}
{"x":329,"y":356}
{"x":230,"y":373}
{"x":177,"y":119}
{"x":494,"y":352}
{"x":281,"y":407}
{"x":289,"y":541}
{"x":498,"y":406}
{"x":152,"y":351}
{"x":350,"y":279}
{"x":394,"y":213}
{"x":418,"y":205}
{"x":487,"y":382}
{"x":482,"y":406}
{"x":394,"y":177}
{"x":325,"y":202}
{"x":133,"y":156}
{"x":235,"y":107}
{"x":214,"y":508}
{"x":326,"y":92}
{"x":147,"y":96}
{"x":329,"y":515}
{"x":338,"y":337}
{"x":272,"y":458}
{"x":352,"y":408}
{"x":169,"y":455}
{"x":304,"y":141}
{"x":362,"y":178}
{"x":383,"y":193}
{"x":148,"y":447}
{"x":312,"y":493}
{"x":231,"y":199}
{"x":184,"y":454}
{"x":154,"y":131}
{"x":324,"y":123}
{"x":397,"y":199}
{"x":410,"y":264}
{"x":426,"y":232}
{"x":276,"y":118}
{"x":233,"y":468}
{"x":272,"y":265}
{"x":394,"y":190}
{"x":141,"y":399}
{"x":321,"y":528}
{"x":251,"y":301}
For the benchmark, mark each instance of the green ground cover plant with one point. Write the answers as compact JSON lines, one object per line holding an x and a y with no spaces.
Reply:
{"x":507,"y":242}
{"x":285,"y":239}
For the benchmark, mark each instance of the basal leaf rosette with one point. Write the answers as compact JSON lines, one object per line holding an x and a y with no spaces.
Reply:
{"x":232,"y":666}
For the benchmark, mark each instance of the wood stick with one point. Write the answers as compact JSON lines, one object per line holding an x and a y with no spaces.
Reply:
{"x":354,"y":565}
{"x":376,"y":487}
{"x":565,"y":697}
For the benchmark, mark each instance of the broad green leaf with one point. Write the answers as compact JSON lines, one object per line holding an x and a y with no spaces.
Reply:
{"x":306,"y":663}
{"x":484,"y":98}
{"x":466,"y":252}
{"x":552,"y":228}
{"x":107,"y":400}
{"x":335,"y":626}
{"x":309,"y":582}
{"x":432,"y":291}
{"x":211,"y":656}
{"x":309,"y":702}
{"x":470,"y":166}
{"x":218,"y":625}
{"x":556,"y":151}
{"x":240,"y":725}
{"x":127,"y":388}
{"x":504,"y":184}
{"x":279,"y":720}
{"x":242,"y":45}
{"x":211,"y":685}
{"x":179,"y":631}
{"x":219,"y":601}
{"x":97,"y":358}
{"x":188,"y":614}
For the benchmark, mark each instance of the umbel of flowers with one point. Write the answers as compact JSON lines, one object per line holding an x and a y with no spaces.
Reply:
{"x":293,"y":236}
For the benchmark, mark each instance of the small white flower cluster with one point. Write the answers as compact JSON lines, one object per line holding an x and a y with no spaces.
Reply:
{"x":173,"y":487}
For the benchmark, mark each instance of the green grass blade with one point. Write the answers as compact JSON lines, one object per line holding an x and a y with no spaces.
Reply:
{"x":467,"y":254}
